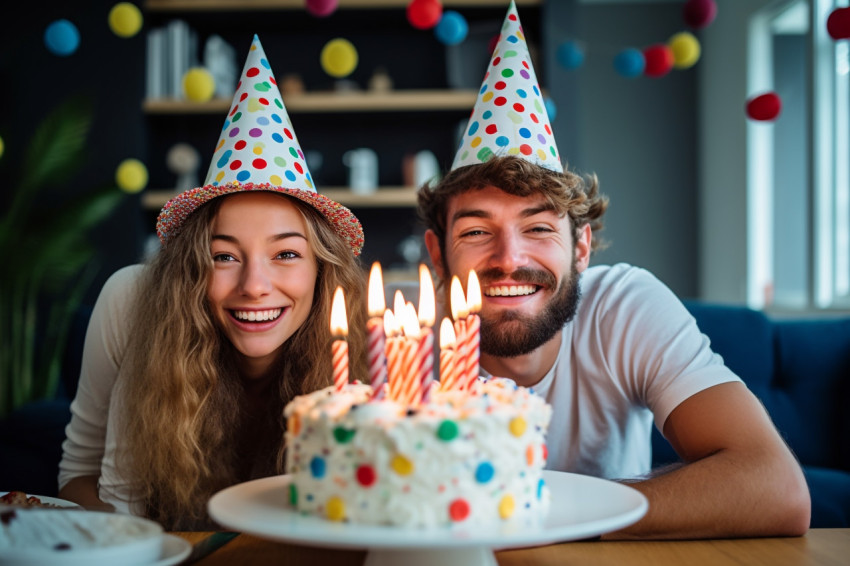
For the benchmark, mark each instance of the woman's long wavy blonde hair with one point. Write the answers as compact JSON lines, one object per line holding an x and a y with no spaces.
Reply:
{"x":183,"y":399}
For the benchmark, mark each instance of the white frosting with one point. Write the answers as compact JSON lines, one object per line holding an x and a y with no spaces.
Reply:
{"x":466,"y":459}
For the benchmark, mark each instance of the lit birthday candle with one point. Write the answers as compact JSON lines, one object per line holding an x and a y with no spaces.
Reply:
{"x":410,"y":391}
{"x":339,"y":348}
{"x":393,"y":350}
{"x":459,"y":314}
{"x":427,"y":315}
{"x":448,"y":355}
{"x":376,"y":350}
{"x":473,"y":329}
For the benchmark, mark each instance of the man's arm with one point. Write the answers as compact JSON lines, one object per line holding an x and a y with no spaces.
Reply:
{"x":739,"y":478}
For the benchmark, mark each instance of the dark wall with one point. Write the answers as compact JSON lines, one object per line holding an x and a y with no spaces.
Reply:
{"x":107,"y":69}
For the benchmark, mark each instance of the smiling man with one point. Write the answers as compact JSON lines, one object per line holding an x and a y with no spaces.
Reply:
{"x":611,"y":348}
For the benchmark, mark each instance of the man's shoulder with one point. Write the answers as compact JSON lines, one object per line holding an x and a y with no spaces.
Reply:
{"x":618,"y":276}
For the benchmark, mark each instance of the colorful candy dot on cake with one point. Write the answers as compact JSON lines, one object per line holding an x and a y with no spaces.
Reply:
{"x":529,"y":455}
{"x":401,"y":465}
{"x":343,"y":435}
{"x":366,"y":475}
{"x":540,"y":485}
{"x":335,"y":509}
{"x":506,"y":506}
{"x":545,"y":450}
{"x":318,"y":467}
{"x":447,"y":430}
{"x":459,"y":509}
{"x":517,"y":426}
{"x":293,"y":495}
{"x":484,"y":472}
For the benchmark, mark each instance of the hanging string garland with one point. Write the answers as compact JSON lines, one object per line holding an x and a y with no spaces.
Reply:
{"x":764,"y":107}
{"x":838,"y":24}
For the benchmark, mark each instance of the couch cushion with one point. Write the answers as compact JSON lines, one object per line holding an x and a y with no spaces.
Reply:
{"x":830,"y":492}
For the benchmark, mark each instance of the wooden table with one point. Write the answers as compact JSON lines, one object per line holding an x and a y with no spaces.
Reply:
{"x":821,"y":547}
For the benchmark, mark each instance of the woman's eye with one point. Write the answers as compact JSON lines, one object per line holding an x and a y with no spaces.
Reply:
{"x":223,"y":257}
{"x":287,"y":255}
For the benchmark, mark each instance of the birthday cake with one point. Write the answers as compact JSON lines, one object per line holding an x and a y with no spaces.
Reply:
{"x":471,"y":458}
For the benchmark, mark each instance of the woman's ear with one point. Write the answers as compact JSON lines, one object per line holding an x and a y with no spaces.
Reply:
{"x":432,"y":243}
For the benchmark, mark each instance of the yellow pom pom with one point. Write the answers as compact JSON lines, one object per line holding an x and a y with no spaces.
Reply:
{"x":335,"y":509}
{"x":2,"y":147}
{"x":198,"y":84}
{"x":131,"y":176}
{"x":401,"y":465}
{"x":685,"y":48}
{"x":339,"y":58}
{"x":517,"y":426}
{"x":506,"y":507}
{"x":125,"y":19}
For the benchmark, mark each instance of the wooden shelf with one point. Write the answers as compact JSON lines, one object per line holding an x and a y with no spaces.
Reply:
{"x":398,"y":100}
{"x":226,"y":5}
{"x":385,"y":197}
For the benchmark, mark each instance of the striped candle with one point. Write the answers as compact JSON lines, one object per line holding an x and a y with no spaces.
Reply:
{"x":427,"y":314}
{"x":339,"y":348}
{"x":473,"y":329}
{"x":448,"y":355}
{"x":376,"y":344}
{"x":409,"y":391}
{"x":393,"y":352}
{"x":459,"y":314}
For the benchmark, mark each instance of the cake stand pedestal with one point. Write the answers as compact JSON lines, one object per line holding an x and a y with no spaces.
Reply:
{"x":582,"y":507}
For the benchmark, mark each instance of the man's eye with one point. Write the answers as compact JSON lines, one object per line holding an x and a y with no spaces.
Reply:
{"x":470,"y":233}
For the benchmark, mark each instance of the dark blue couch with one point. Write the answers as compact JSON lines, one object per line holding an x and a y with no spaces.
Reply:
{"x":800,"y":370}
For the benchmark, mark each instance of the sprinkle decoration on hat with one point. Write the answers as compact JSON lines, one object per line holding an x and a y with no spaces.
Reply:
{"x":509,"y":117}
{"x":258,"y":150}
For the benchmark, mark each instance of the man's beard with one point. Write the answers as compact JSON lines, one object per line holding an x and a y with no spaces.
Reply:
{"x":510,"y":334}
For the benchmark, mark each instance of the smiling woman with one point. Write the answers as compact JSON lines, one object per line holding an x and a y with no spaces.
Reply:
{"x":189,"y":360}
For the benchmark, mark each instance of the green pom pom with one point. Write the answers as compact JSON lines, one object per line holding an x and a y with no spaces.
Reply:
{"x":447,"y":430}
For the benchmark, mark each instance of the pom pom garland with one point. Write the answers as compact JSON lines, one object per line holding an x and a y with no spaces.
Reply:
{"x":424,"y":14}
{"x":659,"y":60}
{"x":838,"y":24}
{"x":321,"y":8}
{"x":62,"y":38}
{"x":699,"y":13}
{"x":452,"y":28}
{"x":764,"y":107}
{"x":570,"y":55}
{"x":629,"y":62}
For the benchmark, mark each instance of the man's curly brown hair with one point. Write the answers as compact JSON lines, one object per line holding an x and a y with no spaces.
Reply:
{"x":570,"y":194}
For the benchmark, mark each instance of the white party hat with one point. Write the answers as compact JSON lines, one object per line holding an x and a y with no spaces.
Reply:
{"x":509,"y":117}
{"x":258,"y":150}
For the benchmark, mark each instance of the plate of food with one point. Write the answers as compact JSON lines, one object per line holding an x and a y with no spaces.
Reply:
{"x":76,"y":537}
{"x":21,"y":499}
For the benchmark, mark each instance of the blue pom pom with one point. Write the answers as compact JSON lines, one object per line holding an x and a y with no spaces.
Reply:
{"x":551,"y":109}
{"x":62,"y":38}
{"x":629,"y":62}
{"x":570,"y":55}
{"x":452,"y":28}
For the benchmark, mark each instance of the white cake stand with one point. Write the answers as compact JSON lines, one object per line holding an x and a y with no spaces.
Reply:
{"x":582,"y":507}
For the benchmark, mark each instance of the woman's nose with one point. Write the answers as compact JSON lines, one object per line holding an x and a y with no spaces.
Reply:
{"x":256,"y":279}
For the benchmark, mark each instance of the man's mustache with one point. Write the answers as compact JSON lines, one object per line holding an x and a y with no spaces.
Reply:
{"x":521,"y":275}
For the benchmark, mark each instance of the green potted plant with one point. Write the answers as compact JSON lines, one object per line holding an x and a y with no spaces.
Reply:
{"x":48,"y":260}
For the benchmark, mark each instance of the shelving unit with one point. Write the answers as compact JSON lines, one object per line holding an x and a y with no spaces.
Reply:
{"x":434,"y":88}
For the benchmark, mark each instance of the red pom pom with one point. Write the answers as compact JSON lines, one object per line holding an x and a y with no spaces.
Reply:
{"x":659,"y":60}
{"x":424,"y":14}
{"x":491,"y":45}
{"x":321,"y":8}
{"x":838,"y":24}
{"x":764,"y":107}
{"x":699,"y":13}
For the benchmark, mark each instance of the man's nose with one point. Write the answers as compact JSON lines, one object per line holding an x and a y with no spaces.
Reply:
{"x":509,"y":252}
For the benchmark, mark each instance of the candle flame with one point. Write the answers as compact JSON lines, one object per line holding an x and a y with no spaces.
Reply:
{"x":409,"y":324}
{"x":447,"y":334}
{"x":458,"y":305}
{"x":427,"y":306}
{"x":339,"y":322}
{"x":473,"y":292}
{"x":398,"y":304}
{"x":391,"y":327}
{"x":376,"y":304}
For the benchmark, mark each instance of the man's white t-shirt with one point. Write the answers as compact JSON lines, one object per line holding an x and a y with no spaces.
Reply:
{"x":632,"y":353}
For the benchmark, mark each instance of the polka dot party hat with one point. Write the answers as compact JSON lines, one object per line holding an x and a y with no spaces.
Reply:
{"x":258,"y":151}
{"x":509,"y":117}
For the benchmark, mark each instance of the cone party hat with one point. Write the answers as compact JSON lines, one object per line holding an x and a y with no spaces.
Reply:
{"x":258,"y":151}
{"x":509,"y":117}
